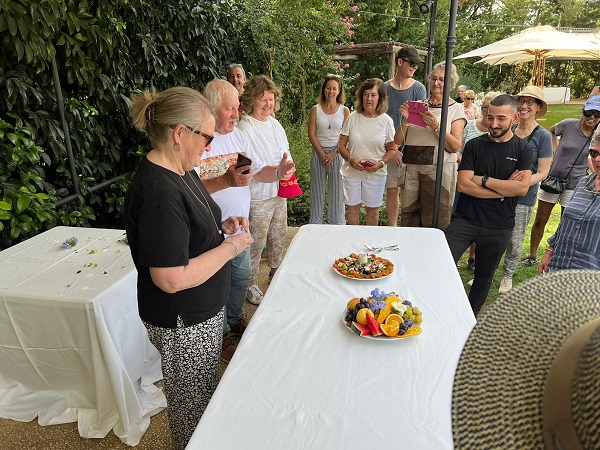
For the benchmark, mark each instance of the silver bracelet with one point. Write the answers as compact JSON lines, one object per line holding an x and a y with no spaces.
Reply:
{"x":237,"y":250}
{"x":277,"y":173}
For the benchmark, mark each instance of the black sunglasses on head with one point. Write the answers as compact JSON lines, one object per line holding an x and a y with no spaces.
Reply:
{"x":591,"y":112}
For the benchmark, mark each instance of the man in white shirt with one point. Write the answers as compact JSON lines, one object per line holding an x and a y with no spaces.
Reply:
{"x":229,"y":187}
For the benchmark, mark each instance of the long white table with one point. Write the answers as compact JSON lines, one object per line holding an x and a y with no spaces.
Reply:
{"x":72,"y":346}
{"x":301,"y":380}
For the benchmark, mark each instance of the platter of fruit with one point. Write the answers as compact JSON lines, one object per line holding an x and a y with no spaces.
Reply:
{"x":383,"y":317}
{"x":363,"y":266}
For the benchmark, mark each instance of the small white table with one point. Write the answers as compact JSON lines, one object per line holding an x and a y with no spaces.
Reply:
{"x":559,"y":94}
{"x":72,"y":345}
{"x":301,"y":380}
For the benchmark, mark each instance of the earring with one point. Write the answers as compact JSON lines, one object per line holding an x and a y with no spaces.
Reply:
{"x":176,"y":147}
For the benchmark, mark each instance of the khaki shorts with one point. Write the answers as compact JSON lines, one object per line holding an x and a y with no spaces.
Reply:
{"x":393,"y":174}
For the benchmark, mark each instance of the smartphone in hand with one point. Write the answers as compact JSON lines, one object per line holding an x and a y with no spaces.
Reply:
{"x":414,"y":113}
{"x":242,"y":161}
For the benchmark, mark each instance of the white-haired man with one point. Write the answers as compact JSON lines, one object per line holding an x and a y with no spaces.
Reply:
{"x":229,"y":187}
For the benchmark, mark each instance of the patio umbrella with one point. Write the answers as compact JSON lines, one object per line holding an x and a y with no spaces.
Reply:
{"x":537,"y":44}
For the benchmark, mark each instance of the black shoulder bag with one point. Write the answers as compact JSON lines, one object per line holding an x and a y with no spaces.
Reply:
{"x":555,"y":185}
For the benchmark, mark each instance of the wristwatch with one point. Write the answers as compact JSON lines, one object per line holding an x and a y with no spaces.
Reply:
{"x":484,"y":180}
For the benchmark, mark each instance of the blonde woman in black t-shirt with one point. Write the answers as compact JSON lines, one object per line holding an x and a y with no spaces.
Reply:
{"x":175,"y":233}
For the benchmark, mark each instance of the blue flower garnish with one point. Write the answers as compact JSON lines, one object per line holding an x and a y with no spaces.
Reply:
{"x":377,"y":293}
{"x":70,"y":243}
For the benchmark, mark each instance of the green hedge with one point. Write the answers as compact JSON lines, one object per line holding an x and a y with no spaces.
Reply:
{"x":103,"y":51}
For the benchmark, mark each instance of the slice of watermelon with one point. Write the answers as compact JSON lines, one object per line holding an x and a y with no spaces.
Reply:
{"x":374,"y":326}
{"x":361,"y":330}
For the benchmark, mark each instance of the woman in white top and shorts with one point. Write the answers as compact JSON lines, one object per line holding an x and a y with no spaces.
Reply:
{"x":367,"y":145}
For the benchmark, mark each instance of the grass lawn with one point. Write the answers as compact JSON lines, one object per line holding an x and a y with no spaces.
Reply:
{"x":298,"y":208}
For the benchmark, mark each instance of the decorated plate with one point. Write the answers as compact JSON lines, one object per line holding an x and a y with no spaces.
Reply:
{"x":412,"y":331}
{"x":363,"y":266}
{"x":383,"y":317}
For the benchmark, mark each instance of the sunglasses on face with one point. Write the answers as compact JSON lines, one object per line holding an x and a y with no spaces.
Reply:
{"x":470,"y":98}
{"x":412,"y":64}
{"x":594,"y":153}
{"x":592,"y":112}
{"x":208,"y":137}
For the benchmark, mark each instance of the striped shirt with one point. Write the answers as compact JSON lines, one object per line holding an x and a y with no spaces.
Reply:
{"x":576,"y":242}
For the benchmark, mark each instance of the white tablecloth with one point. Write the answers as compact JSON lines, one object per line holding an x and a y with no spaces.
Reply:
{"x":72,"y":346}
{"x":301,"y":380}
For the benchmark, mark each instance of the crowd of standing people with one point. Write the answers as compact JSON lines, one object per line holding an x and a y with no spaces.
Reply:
{"x":206,"y":201}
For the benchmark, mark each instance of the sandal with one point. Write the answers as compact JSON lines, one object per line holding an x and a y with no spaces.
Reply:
{"x":529,"y":261}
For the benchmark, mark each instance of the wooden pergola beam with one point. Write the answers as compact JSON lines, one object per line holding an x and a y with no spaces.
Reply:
{"x":343,"y":52}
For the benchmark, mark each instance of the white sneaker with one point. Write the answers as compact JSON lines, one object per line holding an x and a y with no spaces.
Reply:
{"x":505,"y":285}
{"x":254,"y":295}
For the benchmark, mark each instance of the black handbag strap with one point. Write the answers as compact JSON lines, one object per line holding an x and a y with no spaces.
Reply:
{"x":587,"y":143}
{"x":530,"y":137}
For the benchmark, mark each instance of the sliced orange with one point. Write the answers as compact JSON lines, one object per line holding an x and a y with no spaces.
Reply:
{"x":394,"y":318}
{"x":412,"y":331}
{"x":390,"y":330}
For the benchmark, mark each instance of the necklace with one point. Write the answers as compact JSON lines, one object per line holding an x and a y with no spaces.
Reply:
{"x":207,"y":205}
{"x":432,"y":103}
{"x":330,"y":117}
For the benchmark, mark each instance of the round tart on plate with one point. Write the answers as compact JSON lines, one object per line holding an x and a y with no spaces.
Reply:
{"x":363,"y":266}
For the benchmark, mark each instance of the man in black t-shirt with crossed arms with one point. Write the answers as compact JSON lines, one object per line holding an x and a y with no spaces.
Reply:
{"x":495,"y":170}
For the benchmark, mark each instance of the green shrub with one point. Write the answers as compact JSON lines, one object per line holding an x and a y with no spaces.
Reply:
{"x":301,"y":149}
{"x":102,"y":52}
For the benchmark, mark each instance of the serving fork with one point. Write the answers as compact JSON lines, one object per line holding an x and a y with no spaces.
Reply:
{"x":379,"y":249}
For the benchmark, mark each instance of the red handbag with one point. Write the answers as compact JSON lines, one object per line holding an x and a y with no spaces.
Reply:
{"x":289,"y":188}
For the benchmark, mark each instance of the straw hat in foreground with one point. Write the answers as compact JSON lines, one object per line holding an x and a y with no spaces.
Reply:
{"x":529,"y":374}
